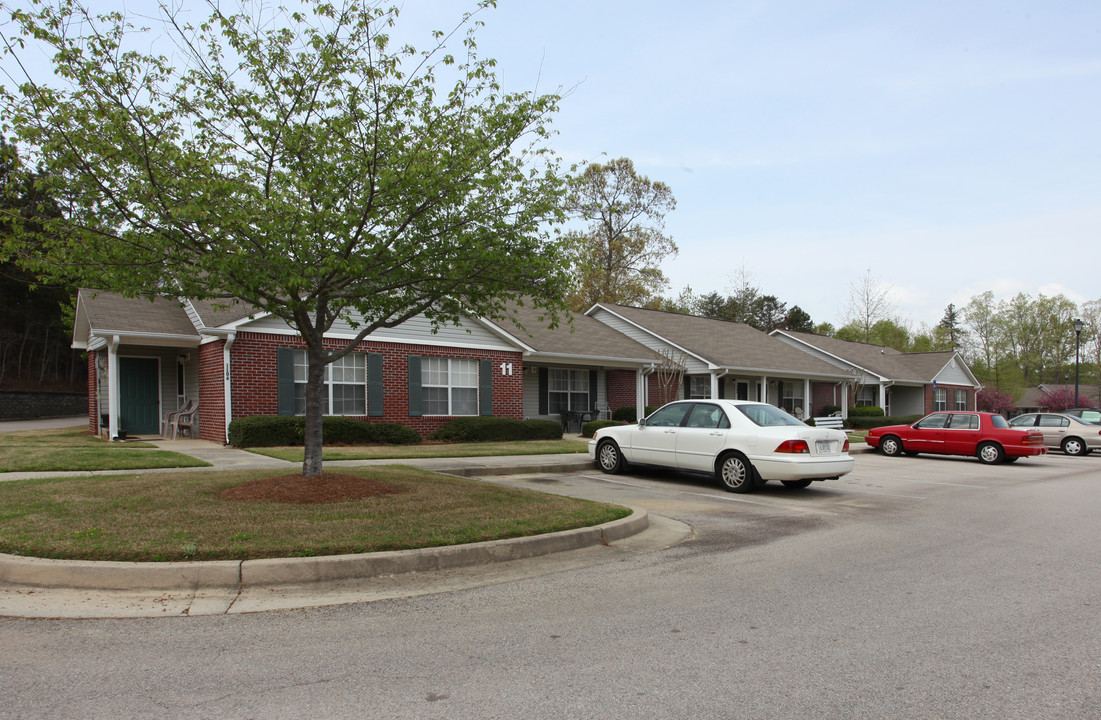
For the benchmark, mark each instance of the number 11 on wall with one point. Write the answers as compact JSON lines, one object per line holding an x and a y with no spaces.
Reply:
{"x":506,"y":368}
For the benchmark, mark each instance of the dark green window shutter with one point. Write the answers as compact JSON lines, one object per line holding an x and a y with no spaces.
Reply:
{"x":544,"y":386}
{"x":374,"y":385}
{"x":415,"y":386}
{"x":485,"y":394}
{"x":722,"y":388}
{"x":592,"y":390}
{"x":284,"y":372}
{"x":687,"y":387}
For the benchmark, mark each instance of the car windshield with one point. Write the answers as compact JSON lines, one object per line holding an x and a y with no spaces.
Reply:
{"x":1000,"y":422}
{"x":768,"y":416}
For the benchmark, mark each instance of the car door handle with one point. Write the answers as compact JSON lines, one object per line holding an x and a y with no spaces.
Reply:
{"x":717,"y":433}
{"x":670,"y":432}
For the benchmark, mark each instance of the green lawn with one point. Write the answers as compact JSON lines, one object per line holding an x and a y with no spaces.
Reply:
{"x":430,"y":450}
{"x":75,"y":449}
{"x":166,"y":516}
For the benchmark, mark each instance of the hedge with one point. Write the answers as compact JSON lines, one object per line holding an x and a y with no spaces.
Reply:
{"x":277,"y":430}
{"x":867,"y":423}
{"x":497,"y":429}
{"x":865,"y":411}
{"x":630,"y":414}
{"x":589,"y":429}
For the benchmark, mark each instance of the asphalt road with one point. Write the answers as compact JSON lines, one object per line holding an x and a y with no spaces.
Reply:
{"x":912,"y":588}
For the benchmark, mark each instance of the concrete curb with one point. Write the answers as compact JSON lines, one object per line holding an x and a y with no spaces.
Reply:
{"x":197,"y":576}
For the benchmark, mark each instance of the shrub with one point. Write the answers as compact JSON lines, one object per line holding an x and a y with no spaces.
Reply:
{"x":274,"y":430}
{"x":589,"y":429}
{"x":865,"y":411}
{"x":265,"y":431}
{"x":630,"y":414}
{"x":497,"y":429}
{"x":867,"y":423}
{"x":827,"y":410}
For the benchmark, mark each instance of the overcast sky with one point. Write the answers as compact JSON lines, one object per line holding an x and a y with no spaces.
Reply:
{"x":948,"y":146}
{"x":951,"y":147}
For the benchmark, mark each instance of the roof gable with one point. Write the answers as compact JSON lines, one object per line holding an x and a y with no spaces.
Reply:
{"x":721,"y":343}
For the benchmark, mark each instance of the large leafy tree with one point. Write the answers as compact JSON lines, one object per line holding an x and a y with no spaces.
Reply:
{"x":34,"y":338}
{"x":296,"y":160}
{"x":619,"y":253}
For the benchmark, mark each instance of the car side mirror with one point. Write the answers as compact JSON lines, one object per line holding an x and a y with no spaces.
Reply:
{"x":642,"y":422}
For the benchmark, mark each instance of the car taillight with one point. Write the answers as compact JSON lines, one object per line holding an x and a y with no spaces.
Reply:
{"x":845,"y":447}
{"x":1033,"y":439}
{"x":793,"y":446}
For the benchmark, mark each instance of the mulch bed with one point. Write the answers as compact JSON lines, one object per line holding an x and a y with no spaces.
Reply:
{"x":323,"y":488}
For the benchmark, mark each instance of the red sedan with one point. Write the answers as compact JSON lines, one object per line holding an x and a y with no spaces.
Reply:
{"x":984,"y":435}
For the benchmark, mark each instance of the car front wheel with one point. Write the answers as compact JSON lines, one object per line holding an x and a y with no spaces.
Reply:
{"x":890,"y":446}
{"x":990,"y":453}
{"x":735,"y":473}
{"x":1074,"y":446}
{"x":610,"y":459}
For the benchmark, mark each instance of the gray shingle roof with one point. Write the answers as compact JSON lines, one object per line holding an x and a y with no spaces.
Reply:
{"x":727,"y":344}
{"x":585,"y":337}
{"x":883,"y":361}
{"x":111,"y":312}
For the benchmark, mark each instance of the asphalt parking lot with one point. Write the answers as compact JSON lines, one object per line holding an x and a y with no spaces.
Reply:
{"x":914,"y":587}
{"x":877,"y":483}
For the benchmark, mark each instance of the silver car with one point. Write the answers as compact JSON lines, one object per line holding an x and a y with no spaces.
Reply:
{"x":1070,"y":434}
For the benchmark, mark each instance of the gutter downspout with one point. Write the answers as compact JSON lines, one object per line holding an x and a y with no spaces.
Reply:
{"x":640,"y":389}
{"x":113,"y":394}
{"x":228,"y":384}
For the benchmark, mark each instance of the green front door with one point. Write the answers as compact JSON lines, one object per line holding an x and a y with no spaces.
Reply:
{"x":139,"y":396}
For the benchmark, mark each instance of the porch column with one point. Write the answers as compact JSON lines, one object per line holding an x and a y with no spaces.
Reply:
{"x":806,"y":398}
{"x":715,"y":385}
{"x":640,"y":394}
{"x":114,"y":397}
{"x":844,"y":400}
{"x":227,"y":384}
{"x":764,"y":389}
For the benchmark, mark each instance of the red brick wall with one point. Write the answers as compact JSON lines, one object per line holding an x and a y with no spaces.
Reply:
{"x":621,"y":389}
{"x":212,"y":394}
{"x":825,"y":393}
{"x":654,"y":394}
{"x":255,"y":382}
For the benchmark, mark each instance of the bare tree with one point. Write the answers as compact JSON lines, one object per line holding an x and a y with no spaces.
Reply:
{"x":670,"y":373}
{"x":869,"y":303}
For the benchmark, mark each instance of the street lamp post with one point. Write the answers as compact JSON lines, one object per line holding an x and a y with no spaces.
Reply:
{"x":1078,"y":324}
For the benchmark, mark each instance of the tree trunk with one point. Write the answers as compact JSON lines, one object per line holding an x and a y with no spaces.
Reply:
{"x":315,"y":387}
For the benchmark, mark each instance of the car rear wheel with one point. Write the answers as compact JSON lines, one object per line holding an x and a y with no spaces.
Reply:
{"x":796,"y":483}
{"x":890,"y":446}
{"x":990,"y":453}
{"x":610,"y":459}
{"x":735,"y":473}
{"x":1074,"y":446}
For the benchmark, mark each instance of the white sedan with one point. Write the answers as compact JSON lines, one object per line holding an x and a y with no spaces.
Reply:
{"x":743,"y":443}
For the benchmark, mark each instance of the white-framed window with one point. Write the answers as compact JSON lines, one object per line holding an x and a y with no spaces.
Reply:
{"x":567,"y":390}
{"x":866,"y":398}
{"x":961,"y":400}
{"x":699,"y":387}
{"x":345,"y":385}
{"x":940,"y":399}
{"x":449,"y":386}
{"x":791,"y":396}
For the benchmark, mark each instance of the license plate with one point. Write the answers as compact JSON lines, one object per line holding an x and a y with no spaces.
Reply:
{"x":824,"y":447}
